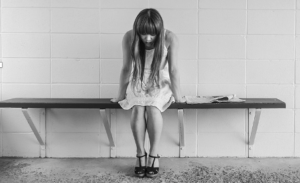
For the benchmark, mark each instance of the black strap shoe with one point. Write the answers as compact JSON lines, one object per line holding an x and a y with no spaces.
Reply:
{"x":152,"y":171}
{"x":141,"y":170}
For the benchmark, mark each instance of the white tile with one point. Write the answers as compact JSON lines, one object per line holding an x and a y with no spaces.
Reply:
{"x":220,"y":46}
{"x":26,"y":45}
{"x":26,"y":3}
{"x":1,"y":149}
{"x":188,"y":71}
{"x":73,"y":120}
{"x":297,"y":144}
{"x":111,"y":46}
{"x":281,"y":92}
{"x":104,"y":149}
{"x":75,"y":20}
{"x":297,"y":96}
{"x":297,"y":47}
{"x":270,"y":47}
{"x":188,"y":47}
{"x":186,"y":20}
{"x":73,"y":145}
{"x":75,"y":3}
{"x":169,"y":145}
{"x":298,"y":19}
{"x":75,"y":71}
{"x":221,"y":144}
{"x":111,"y":70}
{"x":188,"y":89}
{"x":276,"y":120}
{"x":297,"y":120}
{"x":221,"y":120}
{"x":20,"y":145}
{"x":125,"y":145}
{"x":173,"y":4}
{"x":25,"y":91}
{"x":279,"y":22}
{"x":278,"y":71}
{"x":0,"y":41}
{"x":124,"y":4}
{"x":14,"y":121}
{"x":123,"y":121}
{"x":274,"y":145}
{"x":297,"y":72}
{"x":221,"y":89}
{"x":270,"y":4}
{"x":222,"y":21}
{"x":119,"y":21}
{"x":191,"y":145}
{"x":26,"y":70}
{"x":109,"y":90}
{"x":221,"y":4}
{"x":75,"y":45}
{"x":75,"y":91}
{"x":25,"y":20}
{"x":227,"y":71}
{"x":171,"y":123}
{"x":298,"y":4}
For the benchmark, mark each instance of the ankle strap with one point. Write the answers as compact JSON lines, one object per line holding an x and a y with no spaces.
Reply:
{"x":141,"y":156}
{"x":154,"y":156}
{"x":154,"y":159}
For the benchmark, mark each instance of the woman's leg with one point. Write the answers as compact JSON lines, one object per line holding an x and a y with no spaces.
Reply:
{"x":154,"y":127}
{"x":138,"y":127}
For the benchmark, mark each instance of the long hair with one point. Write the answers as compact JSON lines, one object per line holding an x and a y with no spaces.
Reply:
{"x":148,"y":21}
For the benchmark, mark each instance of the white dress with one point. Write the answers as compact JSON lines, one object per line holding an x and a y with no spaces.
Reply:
{"x":147,"y":94}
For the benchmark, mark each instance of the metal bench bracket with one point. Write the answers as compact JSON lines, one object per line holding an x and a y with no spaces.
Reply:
{"x":106,"y":118}
{"x":181,"y":133}
{"x":256,"y":114}
{"x":35,"y":131}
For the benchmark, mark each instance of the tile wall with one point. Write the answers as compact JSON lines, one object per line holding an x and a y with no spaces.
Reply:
{"x":72,"y":49}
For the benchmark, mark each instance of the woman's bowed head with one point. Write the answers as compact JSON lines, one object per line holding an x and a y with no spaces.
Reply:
{"x":148,"y":34}
{"x":149,"y":83}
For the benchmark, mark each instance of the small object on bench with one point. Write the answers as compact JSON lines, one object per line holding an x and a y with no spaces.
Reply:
{"x":105,"y":104}
{"x":212,"y":99}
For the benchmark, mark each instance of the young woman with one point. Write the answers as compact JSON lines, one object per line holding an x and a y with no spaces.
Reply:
{"x":149,"y":83}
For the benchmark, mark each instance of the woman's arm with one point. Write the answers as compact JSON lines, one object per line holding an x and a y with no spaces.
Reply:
{"x":173,"y":66}
{"x":126,"y":69}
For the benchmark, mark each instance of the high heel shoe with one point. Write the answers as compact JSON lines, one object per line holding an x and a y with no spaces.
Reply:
{"x":141,"y":170}
{"x":152,"y":171}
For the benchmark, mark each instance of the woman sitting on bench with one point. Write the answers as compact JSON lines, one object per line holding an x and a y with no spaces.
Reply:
{"x":149,"y":67}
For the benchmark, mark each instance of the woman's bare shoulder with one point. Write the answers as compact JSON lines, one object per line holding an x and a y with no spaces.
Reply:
{"x":128,"y":37}
{"x":171,"y":38}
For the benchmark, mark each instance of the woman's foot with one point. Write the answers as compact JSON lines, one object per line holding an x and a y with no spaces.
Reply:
{"x":153,"y":166}
{"x":140,"y":166}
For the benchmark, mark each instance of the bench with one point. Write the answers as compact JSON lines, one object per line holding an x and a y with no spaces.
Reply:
{"x":105,"y":105}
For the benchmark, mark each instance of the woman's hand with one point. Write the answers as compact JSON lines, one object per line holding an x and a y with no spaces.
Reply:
{"x":180,"y":100}
{"x":116,"y":100}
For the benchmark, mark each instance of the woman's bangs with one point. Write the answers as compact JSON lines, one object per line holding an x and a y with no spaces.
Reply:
{"x":147,"y":27}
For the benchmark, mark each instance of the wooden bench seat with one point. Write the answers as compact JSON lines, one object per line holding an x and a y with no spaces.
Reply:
{"x":104,"y":105}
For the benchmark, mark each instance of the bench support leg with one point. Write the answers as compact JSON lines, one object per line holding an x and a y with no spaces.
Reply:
{"x":105,"y":115}
{"x":181,"y":133}
{"x":34,"y":130}
{"x":254,"y":130}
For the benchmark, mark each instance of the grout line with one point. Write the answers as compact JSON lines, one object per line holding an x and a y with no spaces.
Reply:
{"x":246,"y":36}
{"x":51,"y":49}
{"x":197,"y":85}
{"x":295,"y":76}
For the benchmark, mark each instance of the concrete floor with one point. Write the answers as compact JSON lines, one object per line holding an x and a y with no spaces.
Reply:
{"x":171,"y":170}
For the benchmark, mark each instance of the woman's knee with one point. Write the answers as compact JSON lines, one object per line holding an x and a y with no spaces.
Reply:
{"x":138,"y":110}
{"x":152,"y":110}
